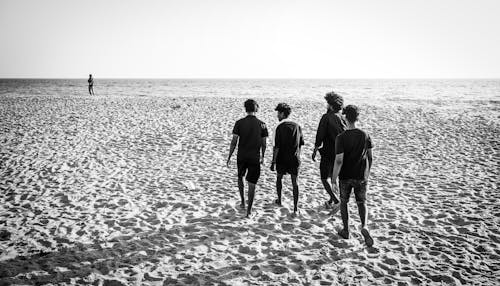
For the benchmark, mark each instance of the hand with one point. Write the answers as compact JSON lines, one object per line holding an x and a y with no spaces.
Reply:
{"x":334,"y":184}
{"x":314,"y":155}
{"x":272,"y":166}
{"x":227,"y":162}
{"x":262,"y":160}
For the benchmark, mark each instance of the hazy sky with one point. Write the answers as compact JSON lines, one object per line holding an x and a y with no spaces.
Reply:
{"x":254,"y":38}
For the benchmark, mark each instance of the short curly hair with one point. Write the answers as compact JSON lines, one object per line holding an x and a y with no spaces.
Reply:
{"x":351,"y":113}
{"x":285,"y":108}
{"x":334,"y":100}
{"x":251,"y":105}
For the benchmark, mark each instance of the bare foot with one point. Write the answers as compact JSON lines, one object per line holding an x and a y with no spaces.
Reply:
{"x":344,"y":233}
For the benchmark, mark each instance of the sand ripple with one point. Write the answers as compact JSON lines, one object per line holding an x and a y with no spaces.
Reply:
{"x":126,"y":190}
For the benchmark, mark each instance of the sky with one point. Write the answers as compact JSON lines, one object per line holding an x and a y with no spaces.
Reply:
{"x":250,"y":39}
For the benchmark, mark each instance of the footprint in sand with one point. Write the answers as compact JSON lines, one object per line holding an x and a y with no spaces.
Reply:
{"x":305,"y":225}
{"x":287,"y":226}
{"x":278,"y":269}
{"x":255,"y":271}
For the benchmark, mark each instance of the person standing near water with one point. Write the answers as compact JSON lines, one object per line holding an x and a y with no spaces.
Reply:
{"x":330,"y":125}
{"x":286,"y":153}
{"x":250,"y":134}
{"x":353,"y":162}
{"x":91,"y":84}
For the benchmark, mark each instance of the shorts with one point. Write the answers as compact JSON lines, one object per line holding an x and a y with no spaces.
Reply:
{"x":326,"y":168}
{"x":359,"y":185}
{"x":251,"y":169}
{"x":284,"y":169}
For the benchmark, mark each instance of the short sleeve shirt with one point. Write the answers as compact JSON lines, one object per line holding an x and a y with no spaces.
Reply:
{"x":288,"y":139}
{"x":354,"y":143}
{"x":330,"y":125}
{"x":250,"y":131}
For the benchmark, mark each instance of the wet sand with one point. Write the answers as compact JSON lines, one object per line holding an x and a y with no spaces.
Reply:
{"x":135,"y":191}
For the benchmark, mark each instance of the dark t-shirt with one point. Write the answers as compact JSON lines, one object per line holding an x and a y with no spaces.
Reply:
{"x":251,"y":131}
{"x":330,"y":125}
{"x":354,"y":143}
{"x":288,"y":139}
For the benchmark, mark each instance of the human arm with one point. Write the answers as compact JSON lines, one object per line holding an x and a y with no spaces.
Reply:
{"x":277,"y":140}
{"x":263,"y":149}
{"x":339,"y":160}
{"x":369,"y":156}
{"x":320,"y":135}
{"x":275,"y":155}
{"x":263,"y":134}
{"x":370,"y":159}
{"x":232,"y":146}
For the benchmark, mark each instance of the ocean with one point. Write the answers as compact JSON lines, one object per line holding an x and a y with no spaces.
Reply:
{"x":369,"y":90}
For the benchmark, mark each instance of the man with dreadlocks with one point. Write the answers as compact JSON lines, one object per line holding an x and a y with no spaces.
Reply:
{"x":330,"y":125}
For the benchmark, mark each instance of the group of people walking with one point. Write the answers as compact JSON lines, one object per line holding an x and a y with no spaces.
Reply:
{"x":345,"y":150}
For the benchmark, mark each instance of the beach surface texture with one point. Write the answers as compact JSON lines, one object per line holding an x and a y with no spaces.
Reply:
{"x":134,"y":190}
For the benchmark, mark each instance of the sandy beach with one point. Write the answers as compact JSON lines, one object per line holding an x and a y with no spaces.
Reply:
{"x":133,"y":190}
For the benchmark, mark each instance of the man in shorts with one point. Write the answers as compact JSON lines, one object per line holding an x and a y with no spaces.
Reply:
{"x":353,"y":162}
{"x":330,"y":125}
{"x":250,"y":134}
{"x":286,"y":153}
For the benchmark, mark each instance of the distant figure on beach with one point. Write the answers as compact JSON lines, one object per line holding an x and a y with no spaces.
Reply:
{"x":286,"y":153}
{"x":250,"y":134}
{"x":91,"y":85}
{"x":330,"y":125}
{"x":353,"y":162}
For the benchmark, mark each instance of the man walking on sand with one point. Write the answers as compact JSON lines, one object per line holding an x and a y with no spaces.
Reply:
{"x":286,"y":153}
{"x":330,"y":125}
{"x":250,"y":134}
{"x":353,"y":162}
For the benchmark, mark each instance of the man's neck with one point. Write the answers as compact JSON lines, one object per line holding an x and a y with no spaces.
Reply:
{"x":332,"y":111}
{"x":251,"y":113}
{"x":284,"y":119}
{"x":351,"y":125}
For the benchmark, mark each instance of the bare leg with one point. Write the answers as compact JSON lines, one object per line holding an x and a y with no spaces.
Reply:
{"x":241,"y":188}
{"x":295,"y":193}
{"x":279,"y":187}
{"x":251,"y":193}
{"x":328,"y":189}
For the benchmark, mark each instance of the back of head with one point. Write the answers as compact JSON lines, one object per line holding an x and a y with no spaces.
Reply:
{"x":334,"y":100}
{"x":351,"y":113}
{"x":284,"y":108}
{"x":251,"y":105}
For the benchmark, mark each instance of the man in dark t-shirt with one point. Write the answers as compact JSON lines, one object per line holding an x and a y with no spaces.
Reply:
{"x":353,"y":162}
{"x":286,"y":153}
{"x":250,"y":134}
{"x":330,"y":125}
